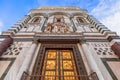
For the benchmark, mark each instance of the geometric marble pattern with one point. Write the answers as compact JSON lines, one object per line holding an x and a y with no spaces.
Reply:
{"x":84,"y":28}
{"x":102,"y":49}
{"x":5,"y":64}
{"x":113,"y":67}
{"x":14,"y":49}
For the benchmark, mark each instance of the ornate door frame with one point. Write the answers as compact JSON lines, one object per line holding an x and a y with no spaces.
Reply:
{"x":37,"y":69}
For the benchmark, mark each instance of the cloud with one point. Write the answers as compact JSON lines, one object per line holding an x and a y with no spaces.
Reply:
{"x":108,"y":12}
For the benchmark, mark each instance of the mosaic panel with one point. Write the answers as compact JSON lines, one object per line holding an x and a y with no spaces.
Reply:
{"x":107,"y":62}
{"x":7,"y":65}
{"x":3,"y":66}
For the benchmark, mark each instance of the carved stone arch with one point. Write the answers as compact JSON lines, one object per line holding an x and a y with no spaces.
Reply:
{"x":80,"y":17}
{"x":80,"y":14}
{"x":36,"y":18}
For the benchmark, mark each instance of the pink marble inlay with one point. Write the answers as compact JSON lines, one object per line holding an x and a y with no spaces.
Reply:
{"x":115,"y":67}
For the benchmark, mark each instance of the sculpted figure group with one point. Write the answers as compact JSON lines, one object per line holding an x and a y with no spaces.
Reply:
{"x":57,"y":27}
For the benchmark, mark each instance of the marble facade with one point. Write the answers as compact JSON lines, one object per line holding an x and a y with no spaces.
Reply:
{"x":95,"y":48}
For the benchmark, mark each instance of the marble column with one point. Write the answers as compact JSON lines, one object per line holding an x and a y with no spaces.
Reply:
{"x":74,"y":22}
{"x":42,"y":25}
{"x":91,"y":61}
{"x":27,"y":62}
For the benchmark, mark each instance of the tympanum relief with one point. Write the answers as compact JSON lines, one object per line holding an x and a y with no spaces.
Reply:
{"x":57,"y":27}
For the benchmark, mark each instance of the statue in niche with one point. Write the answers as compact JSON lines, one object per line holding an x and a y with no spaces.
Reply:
{"x":58,"y":27}
{"x":48,"y":28}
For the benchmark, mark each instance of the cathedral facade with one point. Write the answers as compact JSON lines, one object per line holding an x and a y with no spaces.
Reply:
{"x":59,"y":43}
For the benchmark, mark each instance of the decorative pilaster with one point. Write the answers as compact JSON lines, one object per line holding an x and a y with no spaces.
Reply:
{"x":5,"y":44}
{"x":76,"y":27}
{"x":27,"y":62}
{"x":42,"y":28}
{"x":91,"y":60}
{"x":43,"y":22}
{"x":84,"y":60}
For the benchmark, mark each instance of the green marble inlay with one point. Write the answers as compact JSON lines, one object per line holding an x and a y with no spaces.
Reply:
{"x":9,"y":66}
{"x":104,"y":60}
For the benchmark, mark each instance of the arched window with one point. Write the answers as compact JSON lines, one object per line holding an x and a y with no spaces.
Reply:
{"x":58,"y":18}
{"x":36,"y":20}
{"x":80,"y":20}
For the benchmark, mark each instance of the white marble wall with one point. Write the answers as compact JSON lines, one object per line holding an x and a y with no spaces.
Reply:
{"x":12,"y":73}
{"x":99,"y":63}
{"x":91,"y":61}
{"x":50,"y":19}
{"x":27,"y":61}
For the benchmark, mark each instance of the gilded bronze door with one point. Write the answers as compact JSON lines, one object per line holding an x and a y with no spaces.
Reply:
{"x":59,"y":65}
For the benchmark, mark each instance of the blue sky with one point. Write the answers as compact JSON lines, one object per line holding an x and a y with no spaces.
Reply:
{"x":106,"y":11}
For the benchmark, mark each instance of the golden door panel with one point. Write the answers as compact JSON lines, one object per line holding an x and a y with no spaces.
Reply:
{"x":67,"y":64}
{"x":51,"y":54}
{"x":50,"y":64}
{"x":66,"y":54}
{"x":59,"y":65}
